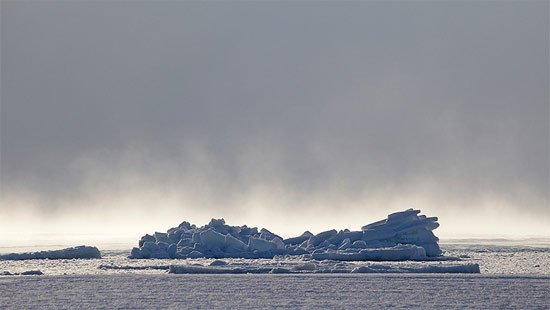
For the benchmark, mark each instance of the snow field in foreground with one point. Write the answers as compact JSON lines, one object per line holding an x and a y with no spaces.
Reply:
{"x":275,"y":291}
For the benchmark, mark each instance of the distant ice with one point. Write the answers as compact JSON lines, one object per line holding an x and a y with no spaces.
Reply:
{"x":288,"y":264}
{"x":455,"y":268}
{"x":23,"y":273}
{"x":404,"y":235}
{"x":314,"y":268}
{"x":127,"y":267}
{"x":32,"y":273}
{"x":68,"y":253}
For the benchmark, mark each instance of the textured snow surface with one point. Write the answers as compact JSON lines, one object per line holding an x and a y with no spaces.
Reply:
{"x":404,"y":235}
{"x":348,"y":291}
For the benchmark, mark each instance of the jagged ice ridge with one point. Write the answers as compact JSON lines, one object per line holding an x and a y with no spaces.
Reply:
{"x":404,"y":235}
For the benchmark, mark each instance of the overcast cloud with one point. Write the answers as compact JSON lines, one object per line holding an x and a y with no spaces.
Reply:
{"x":308,"y":107}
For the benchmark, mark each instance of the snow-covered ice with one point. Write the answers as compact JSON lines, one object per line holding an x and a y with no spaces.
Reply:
{"x":82,"y":251}
{"x":23,"y":273}
{"x":311,"y":267}
{"x":404,"y":235}
{"x":288,"y":264}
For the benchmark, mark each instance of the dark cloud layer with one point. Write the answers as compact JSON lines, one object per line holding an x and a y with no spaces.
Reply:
{"x":353,"y":99}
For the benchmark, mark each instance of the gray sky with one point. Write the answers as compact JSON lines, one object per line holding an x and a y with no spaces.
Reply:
{"x":291,"y":114}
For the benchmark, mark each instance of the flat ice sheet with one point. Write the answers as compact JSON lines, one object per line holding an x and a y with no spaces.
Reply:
{"x":275,"y":291}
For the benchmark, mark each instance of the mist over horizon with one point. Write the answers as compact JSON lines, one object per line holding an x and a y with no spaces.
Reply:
{"x":122,"y":118}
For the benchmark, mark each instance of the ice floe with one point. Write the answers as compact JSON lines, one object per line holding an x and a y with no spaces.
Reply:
{"x":68,"y":253}
{"x":23,"y":273}
{"x":311,"y":267}
{"x":404,"y":235}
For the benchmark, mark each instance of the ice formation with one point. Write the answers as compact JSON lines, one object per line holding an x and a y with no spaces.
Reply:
{"x":313,"y":268}
{"x":24,"y":273}
{"x":403,"y":235}
{"x":68,"y":253}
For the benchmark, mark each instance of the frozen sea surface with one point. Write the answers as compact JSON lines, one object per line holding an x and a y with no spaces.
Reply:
{"x":492,"y":259}
{"x":275,"y":291}
{"x":513,"y":275}
{"x":504,"y":257}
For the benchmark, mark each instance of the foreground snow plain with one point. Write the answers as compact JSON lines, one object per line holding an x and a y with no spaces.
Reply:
{"x":275,"y":291}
